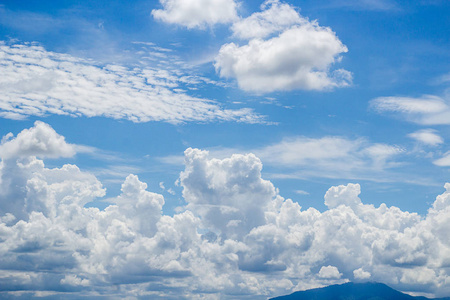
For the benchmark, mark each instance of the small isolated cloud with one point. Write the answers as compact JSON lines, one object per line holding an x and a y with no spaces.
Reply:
{"x":161,"y":185}
{"x":329,"y":272}
{"x":427,"y":137}
{"x":196,"y":13}
{"x":427,"y":110}
{"x":443,"y":161}
{"x":36,"y":82}
{"x":301,"y":192}
{"x":361,"y":274}
{"x":285,"y":52}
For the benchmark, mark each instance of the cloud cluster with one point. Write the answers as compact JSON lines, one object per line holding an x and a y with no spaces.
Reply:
{"x":196,"y":13}
{"x":236,"y":238}
{"x":285,"y":52}
{"x":36,"y":82}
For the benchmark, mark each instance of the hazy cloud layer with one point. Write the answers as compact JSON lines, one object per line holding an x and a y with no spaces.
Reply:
{"x":237,"y":238}
{"x":285,"y":52}
{"x":196,"y":13}
{"x":36,"y":82}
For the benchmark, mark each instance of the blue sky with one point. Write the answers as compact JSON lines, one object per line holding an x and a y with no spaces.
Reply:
{"x":347,"y":94}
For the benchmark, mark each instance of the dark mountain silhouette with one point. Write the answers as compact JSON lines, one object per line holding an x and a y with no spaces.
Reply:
{"x":352,"y":291}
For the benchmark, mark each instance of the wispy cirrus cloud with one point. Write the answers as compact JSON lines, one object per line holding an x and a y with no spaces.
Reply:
{"x":425,"y":110}
{"x":36,"y":82}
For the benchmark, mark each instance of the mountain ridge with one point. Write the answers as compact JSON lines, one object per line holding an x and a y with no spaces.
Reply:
{"x":353,"y":291}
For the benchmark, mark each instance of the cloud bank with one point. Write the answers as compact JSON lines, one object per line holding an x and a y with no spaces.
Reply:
{"x":236,"y":238}
{"x":36,"y":82}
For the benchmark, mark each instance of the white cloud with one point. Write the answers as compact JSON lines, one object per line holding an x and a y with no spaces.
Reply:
{"x":237,"y":196}
{"x":343,"y":195}
{"x":74,"y":280}
{"x":40,"y":140}
{"x":329,"y":272}
{"x":427,"y":110}
{"x":361,"y":274}
{"x":301,"y":192}
{"x":236,"y":236}
{"x":274,"y":17}
{"x":443,"y":161}
{"x":36,"y":82}
{"x":427,"y":137}
{"x":196,"y":13}
{"x":300,"y":57}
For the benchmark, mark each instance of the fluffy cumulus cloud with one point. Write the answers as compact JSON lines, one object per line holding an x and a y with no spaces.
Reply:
{"x":196,"y":13}
{"x":426,"y":110}
{"x":36,"y":82}
{"x":329,"y":272}
{"x":285,"y":51}
{"x":40,"y":140}
{"x":236,"y":238}
{"x":274,"y":17}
